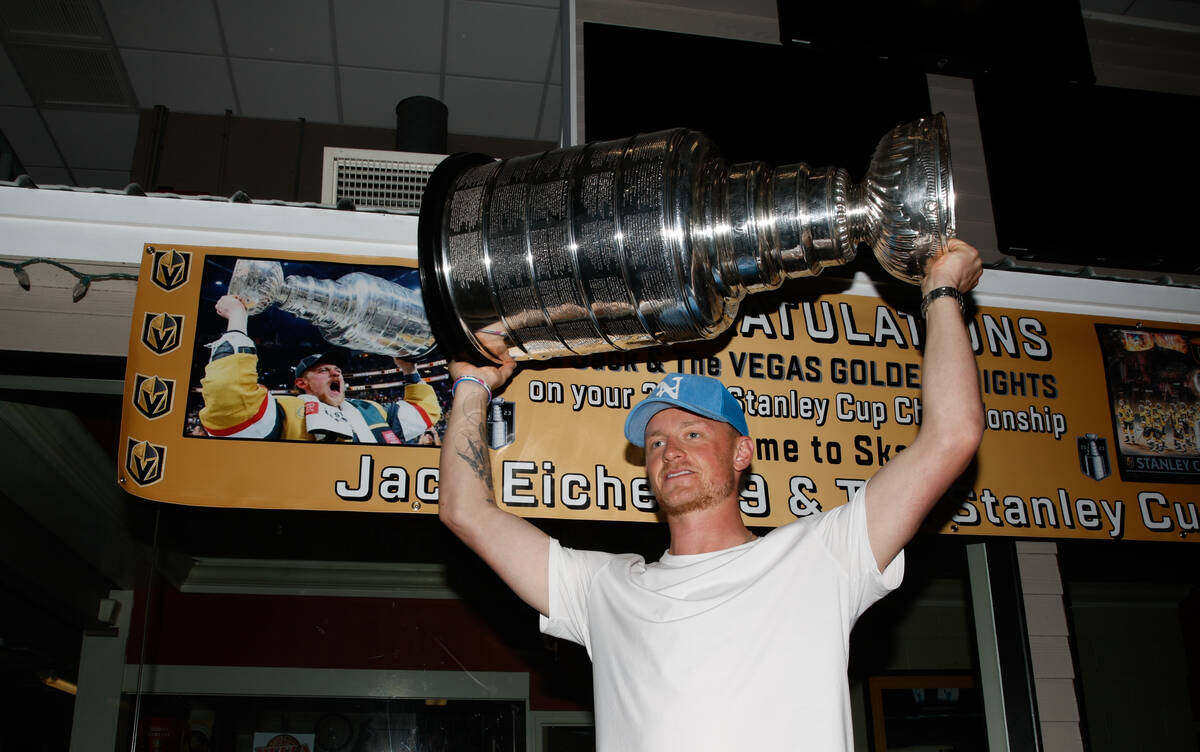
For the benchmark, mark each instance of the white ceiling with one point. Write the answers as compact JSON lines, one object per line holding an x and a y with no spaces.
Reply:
{"x":495,"y":63}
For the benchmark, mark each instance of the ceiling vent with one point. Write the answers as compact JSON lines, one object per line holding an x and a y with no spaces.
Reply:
{"x":81,"y":20}
{"x":59,"y":75}
{"x":65,"y":55}
{"x":375,"y":178}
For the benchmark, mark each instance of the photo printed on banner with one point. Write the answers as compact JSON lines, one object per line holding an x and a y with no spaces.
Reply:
{"x":291,"y":350}
{"x":1153,"y":378}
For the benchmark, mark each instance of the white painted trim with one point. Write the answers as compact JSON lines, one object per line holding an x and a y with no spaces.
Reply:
{"x":334,"y":579}
{"x":272,"y":681}
{"x":85,"y":226}
{"x":98,"y":702}
{"x":987,"y":648}
{"x":61,"y":384}
{"x":1059,"y":294}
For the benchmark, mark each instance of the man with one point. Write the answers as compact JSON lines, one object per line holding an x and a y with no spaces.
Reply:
{"x":236,"y":405}
{"x":729,"y":641}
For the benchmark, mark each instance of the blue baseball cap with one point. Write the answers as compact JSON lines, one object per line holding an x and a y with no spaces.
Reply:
{"x":702,"y":395}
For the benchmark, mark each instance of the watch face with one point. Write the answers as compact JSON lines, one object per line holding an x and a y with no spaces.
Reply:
{"x":333,"y":732}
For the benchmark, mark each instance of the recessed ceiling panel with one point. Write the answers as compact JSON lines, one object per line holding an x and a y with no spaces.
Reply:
{"x":286,"y":91}
{"x":500,"y":41}
{"x":386,"y":34}
{"x":74,"y":20}
{"x":72,"y":75}
{"x":369,"y":97}
{"x":296,"y":30}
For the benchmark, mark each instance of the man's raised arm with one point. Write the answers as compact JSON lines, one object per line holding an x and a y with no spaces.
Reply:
{"x":901,"y":494}
{"x":513,"y":547}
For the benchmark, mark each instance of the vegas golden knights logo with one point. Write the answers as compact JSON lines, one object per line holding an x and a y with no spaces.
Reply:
{"x":162,"y":332}
{"x":144,"y":461}
{"x":153,"y":396}
{"x":170,"y":268}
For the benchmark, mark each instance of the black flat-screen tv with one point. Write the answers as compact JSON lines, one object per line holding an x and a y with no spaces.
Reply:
{"x":1009,"y":38}
{"x":1092,"y":175}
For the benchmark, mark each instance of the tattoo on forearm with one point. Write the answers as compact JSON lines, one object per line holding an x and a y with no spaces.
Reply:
{"x":474,"y":451}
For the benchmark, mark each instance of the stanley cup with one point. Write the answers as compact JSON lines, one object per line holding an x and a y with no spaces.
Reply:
{"x":655,"y":239}
{"x":359,"y":311}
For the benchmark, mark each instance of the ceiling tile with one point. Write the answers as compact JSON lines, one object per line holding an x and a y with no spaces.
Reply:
{"x":176,"y":25}
{"x":551,"y":115}
{"x":481,"y":107}
{"x":286,"y":91}
{"x":28,"y":136}
{"x":115,"y":179}
{"x":12,"y":89}
{"x":369,"y":97}
{"x":387,"y":34}
{"x":296,"y":30}
{"x":159,"y":78}
{"x":500,"y":41}
{"x":94,"y":140}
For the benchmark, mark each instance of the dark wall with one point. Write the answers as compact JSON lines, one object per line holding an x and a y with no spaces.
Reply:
{"x":268,"y":159}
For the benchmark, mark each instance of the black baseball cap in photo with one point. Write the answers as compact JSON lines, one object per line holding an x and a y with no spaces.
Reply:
{"x":333,"y":357}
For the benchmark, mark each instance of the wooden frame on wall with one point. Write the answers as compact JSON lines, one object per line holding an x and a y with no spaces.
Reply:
{"x":941,"y":711}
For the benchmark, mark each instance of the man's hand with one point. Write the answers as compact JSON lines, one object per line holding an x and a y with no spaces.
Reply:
{"x":511,"y":545}
{"x":901,"y":494}
{"x":405,"y":366}
{"x":959,"y":267}
{"x":233,"y":310}
{"x":494,"y":376}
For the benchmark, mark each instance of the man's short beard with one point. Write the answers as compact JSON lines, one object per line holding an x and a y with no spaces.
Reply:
{"x":711,"y":496}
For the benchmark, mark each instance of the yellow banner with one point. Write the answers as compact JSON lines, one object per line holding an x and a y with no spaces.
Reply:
{"x":1092,"y":422}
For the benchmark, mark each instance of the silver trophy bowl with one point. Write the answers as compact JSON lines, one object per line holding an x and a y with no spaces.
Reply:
{"x":655,"y":239}
{"x":359,"y":311}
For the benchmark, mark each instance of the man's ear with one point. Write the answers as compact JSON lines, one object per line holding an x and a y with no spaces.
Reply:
{"x":302,"y":384}
{"x":743,"y":453}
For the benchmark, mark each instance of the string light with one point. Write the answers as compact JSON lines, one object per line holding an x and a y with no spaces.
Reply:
{"x":82,"y":281}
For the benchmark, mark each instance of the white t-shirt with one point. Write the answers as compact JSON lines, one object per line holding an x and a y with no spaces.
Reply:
{"x":740,"y":649}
